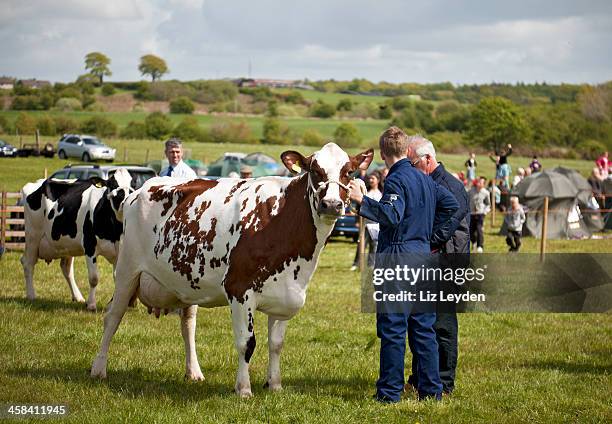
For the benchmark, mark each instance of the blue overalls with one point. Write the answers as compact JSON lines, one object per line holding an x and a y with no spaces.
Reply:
{"x":406,"y":214}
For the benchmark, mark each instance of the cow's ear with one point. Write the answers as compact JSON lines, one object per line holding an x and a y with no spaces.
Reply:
{"x":97,"y":181}
{"x":295,"y":162}
{"x":362,"y":160}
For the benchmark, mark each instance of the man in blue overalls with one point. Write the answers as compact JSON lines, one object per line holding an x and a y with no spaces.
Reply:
{"x":406,"y":214}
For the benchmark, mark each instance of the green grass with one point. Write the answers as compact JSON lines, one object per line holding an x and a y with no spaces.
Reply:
{"x":517,"y":367}
{"x":512,"y":367}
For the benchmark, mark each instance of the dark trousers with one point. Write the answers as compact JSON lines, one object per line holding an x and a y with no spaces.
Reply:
{"x":391,"y":329}
{"x":513,"y":240}
{"x":447,"y":330}
{"x":476,"y":231}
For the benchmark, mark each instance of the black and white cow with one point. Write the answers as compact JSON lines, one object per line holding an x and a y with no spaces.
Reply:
{"x":252,"y":244}
{"x":68,"y":219}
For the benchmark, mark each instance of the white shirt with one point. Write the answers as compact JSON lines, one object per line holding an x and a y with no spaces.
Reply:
{"x":181,"y":170}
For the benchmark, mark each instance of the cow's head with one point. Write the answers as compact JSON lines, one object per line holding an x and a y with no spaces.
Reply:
{"x":329,"y":172}
{"x":118,"y":189}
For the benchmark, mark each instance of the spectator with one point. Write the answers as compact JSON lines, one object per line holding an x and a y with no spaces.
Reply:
{"x":246,"y":171}
{"x":480,"y":205}
{"x":528,"y":171}
{"x":603,"y":163}
{"x":518,"y":177}
{"x":535,"y":165}
{"x":492,"y":188}
{"x":470,"y":166}
{"x":596,"y":181}
{"x":371,"y":234}
{"x":176,"y":166}
{"x":514,"y":220}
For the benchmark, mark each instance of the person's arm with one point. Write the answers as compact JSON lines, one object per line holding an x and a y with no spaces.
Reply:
{"x":443,"y":232}
{"x":509,"y":151}
{"x":523,"y":218}
{"x":390,"y":210}
{"x":444,"y":222}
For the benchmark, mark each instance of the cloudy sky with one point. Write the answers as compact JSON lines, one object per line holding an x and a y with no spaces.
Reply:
{"x":392,"y":40}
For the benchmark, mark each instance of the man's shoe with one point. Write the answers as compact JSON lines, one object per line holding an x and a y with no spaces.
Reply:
{"x":384,"y":399}
{"x":426,"y":396}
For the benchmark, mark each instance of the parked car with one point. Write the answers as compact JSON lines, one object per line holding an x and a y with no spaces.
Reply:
{"x":139,"y":174}
{"x":7,"y":150}
{"x":84,"y":147}
{"x":346,"y":226}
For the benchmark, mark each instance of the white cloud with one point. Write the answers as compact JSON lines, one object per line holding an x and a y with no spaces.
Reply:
{"x":395,"y":40}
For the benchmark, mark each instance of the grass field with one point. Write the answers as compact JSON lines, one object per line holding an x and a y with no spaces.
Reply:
{"x":543,"y":368}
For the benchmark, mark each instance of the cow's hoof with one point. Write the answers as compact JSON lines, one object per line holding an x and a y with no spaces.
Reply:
{"x":244,"y":393}
{"x":98,"y":369}
{"x":194,"y":376}
{"x":31,"y":298}
{"x":92,"y":308}
{"x":273,"y":387}
{"x":78,"y":299}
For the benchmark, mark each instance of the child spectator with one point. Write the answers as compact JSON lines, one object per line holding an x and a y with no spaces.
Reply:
{"x":480,"y":205}
{"x":514,"y":220}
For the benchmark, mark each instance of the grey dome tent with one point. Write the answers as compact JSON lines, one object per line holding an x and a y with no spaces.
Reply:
{"x":561,"y":193}
{"x":592,"y":217}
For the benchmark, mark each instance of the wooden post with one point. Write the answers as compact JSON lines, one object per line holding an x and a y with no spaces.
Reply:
{"x":125,"y":154}
{"x":493,"y":204}
{"x":147,"y":156}
{"x":46,"y":173}
{"x":3,"y":215}
{"x":37,"y":140}
{"x":362,"y":261}
{"x":544,"y":225}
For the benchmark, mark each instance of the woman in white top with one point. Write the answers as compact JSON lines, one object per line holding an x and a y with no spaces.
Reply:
{"x":371,"y":235}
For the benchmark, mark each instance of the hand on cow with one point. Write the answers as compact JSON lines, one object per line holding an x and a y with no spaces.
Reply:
{"x":356,"y":190}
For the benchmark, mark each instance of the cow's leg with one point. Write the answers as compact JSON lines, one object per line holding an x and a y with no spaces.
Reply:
{"x":276,"y":337}
{"x":188,"y":326}
{"x":244,"y":337}
{"x":67,"y":266}
{"x":94,"y":277}
{"x":28,"y":261}
{"x":125,"y":289}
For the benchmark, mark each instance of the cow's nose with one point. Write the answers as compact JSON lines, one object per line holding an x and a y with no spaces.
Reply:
{"x":331,"y":207}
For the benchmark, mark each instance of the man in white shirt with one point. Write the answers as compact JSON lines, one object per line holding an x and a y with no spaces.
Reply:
{"x":176,"y":168}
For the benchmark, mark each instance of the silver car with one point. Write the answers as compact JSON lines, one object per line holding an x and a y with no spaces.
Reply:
{"x":84,"y":147}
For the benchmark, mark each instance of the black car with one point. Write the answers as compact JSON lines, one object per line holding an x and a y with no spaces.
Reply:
{"x":139,"y":174}
{"x":346,"y":226}
{"x":7,"y":150}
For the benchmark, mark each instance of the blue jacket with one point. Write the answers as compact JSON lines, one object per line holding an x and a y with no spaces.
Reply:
{"x":410,"y":202}
{"x":454,"y":237}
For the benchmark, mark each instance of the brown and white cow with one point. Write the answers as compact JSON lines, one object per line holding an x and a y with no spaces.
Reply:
{"x":252,"y":244}
{"x":68,"y":219}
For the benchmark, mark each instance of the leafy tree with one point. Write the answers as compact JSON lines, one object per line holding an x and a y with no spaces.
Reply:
{"x":272,"y":110}
{"x":312,"y":137}
{"x":135,"y":130}
{"x":384,"y":111}
{"x":158,"y":125}
{"x":46,"y":125}
{"x":25,"y":124}
{"x":182,"y":105}
{"x":100,"y":126}
{"x":344,"y":104}
{"x":65,"y":125}
{"x":189,"y":130}
{"x":295,"y":97}
{"x":153,"y":66}
{"x":495,"y":122}
{"x":320,"y":109}
{"x":97,"y":63}
{"x":108,"y":90}
{"x":275,"y":132}
{"x":347,"y":135}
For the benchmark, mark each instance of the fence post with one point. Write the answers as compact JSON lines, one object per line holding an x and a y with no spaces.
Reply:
{"x":493,"y":204}
{"x":46,"y":173}
{"x":125,"y":154}
{"x":147,"y":156}
{"x":544,"y":230}
{"x":362,"y":262}
{"x":3,"y":204}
